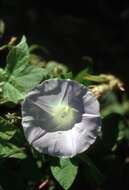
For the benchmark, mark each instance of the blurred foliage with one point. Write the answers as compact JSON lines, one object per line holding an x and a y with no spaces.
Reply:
{"x":2,"y":28}
{"x":85,"y":45}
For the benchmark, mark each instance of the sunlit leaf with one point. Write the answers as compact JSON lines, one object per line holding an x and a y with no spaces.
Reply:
{"x":3,"y":75}
{"x":6,"y":130}
{"x":65,"y":173}
{"x":22,"y":76}
{"x":9,"y":150}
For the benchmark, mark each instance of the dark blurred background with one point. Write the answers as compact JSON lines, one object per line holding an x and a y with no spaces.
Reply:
{"x":96,"y":32}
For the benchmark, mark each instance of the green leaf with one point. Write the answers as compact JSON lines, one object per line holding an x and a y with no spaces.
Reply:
{"x":22,"y":76}
{"x":80,"y":77}
{"x":18,"y":57}
{"x":6,"y":130}
{"x":9,"y":150}
{"x":68,"y":75}
{"x":3,"y":78}
{"x":56,"y":69}
{"x":7,"y":135}
{"x":65,"y":173}
{"x":3,"y":75}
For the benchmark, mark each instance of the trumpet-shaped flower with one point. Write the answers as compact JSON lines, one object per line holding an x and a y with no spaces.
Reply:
{"x":61,"y":118}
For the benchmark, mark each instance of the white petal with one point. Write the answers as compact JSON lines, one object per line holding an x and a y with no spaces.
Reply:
{"x":43,"y":133}
{"x":58,"y":144}
{"x":42,"y":100}
{"x":91,"y":105}
{"x":69,"y":143}
{"x":31,"y":131}
{"x":85,"y":133}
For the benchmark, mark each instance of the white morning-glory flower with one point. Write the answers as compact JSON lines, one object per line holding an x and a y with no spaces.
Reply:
{"x":61,"y":118}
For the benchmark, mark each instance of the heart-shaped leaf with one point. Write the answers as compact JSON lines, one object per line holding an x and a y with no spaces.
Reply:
{"x":65,"y":173}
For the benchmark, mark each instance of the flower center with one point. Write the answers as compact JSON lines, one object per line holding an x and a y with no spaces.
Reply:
{"x":64,"y":116}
